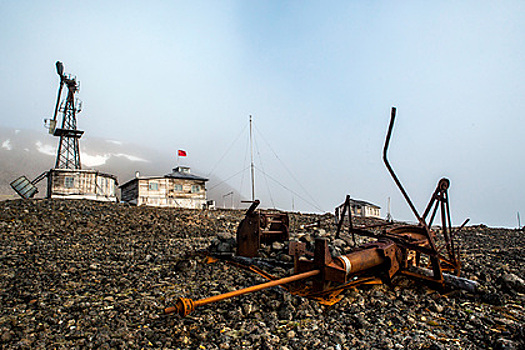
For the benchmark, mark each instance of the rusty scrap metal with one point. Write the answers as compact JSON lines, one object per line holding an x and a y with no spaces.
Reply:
{"x":257,"y":228}
{"x":439,"y":262}
{"x":417,"y":251}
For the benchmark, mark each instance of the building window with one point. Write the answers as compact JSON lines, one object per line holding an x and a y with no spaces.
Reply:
{"x":153,"y":186}
{"x":178,"y":187}
{"x":195,"y":188}
{"x":69,"y":182}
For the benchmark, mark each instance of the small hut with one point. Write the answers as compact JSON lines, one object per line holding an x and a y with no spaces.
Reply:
{"x":364,"y":209}
{"x":81,"y":184}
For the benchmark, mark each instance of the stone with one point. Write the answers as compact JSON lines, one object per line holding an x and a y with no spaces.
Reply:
{"x":513,"y":282}
{"x":277,"y":246}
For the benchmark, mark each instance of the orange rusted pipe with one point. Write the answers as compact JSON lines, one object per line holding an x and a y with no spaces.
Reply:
{"x":185,"y":306}
{"x":361,"y":260}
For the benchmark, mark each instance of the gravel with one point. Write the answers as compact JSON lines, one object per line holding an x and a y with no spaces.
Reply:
{"x":82,"y":274}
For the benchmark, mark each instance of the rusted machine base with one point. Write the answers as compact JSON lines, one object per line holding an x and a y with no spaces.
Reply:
{"x":257,"y":228}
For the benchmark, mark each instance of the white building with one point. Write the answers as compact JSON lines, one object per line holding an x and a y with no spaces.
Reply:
{"x":364,"y":209}
{"x":178,"y":189}
{"x":359,"y":208}
{"x":81,"y":184}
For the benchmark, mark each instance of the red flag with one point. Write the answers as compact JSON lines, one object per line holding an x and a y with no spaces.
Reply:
{"x":182,"y":153}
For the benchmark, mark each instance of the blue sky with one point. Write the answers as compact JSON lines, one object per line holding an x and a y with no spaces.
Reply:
{"x":319,"y":78}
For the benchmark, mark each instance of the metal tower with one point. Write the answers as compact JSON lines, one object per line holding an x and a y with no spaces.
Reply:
{"x":68,"y":154}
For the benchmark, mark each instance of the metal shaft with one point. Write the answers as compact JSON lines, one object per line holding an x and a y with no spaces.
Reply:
{"x":257,"y":287}
{"x":186,"y":306}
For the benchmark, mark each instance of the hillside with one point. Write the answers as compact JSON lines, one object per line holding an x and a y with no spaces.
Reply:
{"x":80,"y":274}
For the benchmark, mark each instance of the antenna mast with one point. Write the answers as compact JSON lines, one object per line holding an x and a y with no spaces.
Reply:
{"x":68,"y":154}
{"x":388,"y":215}
{"x":251,"y":164}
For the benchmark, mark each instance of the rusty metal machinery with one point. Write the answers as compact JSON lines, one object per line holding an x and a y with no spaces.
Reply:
{"x":417,"y":251}
{"x":258,"y":227}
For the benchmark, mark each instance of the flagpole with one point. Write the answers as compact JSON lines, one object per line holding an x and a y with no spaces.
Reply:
{"x":252,"y":166}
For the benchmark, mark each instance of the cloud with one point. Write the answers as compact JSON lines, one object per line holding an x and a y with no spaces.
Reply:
{"x":115,"y":142}
{"x":95,"y":160}
{"x":45,"y":149}
{"x":132,"y":158}
{"x":101,"y":159}
{"x":7,"y":145}
{"x":87,"y":159}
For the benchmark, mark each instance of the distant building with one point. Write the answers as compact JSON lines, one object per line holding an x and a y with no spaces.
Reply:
{"x":81,"y":184}
{"x":360,"y":208}
{"x":364,"y":209}
{"x":179,"y":189}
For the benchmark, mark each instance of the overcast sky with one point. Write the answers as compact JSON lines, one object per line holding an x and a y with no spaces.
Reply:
{"x":319,"y":78}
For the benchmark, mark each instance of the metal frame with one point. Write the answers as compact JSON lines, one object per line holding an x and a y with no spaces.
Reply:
{"x":68,"y":153}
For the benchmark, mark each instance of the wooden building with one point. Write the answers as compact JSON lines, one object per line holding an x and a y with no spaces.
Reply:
{"x":359,"y":208}
{"x":81,"y":184}
{"x":364,"y":209}
{"x":179,"y":189}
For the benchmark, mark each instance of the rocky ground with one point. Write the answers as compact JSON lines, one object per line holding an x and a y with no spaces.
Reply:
{"x":79,"y":274}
